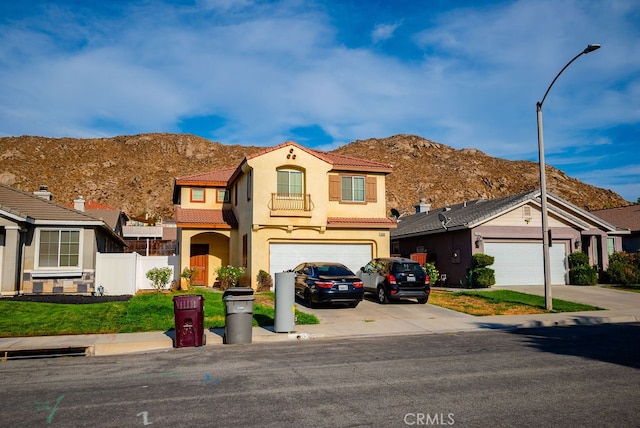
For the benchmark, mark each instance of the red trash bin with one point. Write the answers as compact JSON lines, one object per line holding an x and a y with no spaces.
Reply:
{"x":189,"y":320}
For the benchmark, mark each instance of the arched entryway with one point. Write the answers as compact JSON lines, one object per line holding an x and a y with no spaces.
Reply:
{"x":207,"y":252}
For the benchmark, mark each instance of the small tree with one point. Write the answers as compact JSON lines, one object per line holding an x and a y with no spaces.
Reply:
{"x":265,"y":282}
{"x":229,"y":276}
{"x":187,"y":274}
{"x":481,"y":275}
{"x":160,"y":277}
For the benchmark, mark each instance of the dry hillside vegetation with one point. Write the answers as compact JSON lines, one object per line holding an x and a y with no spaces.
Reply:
{"x":136,"y":173}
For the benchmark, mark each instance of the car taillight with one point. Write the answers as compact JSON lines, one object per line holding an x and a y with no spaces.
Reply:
{"x":324,"y":284}
{"x":357,"y":284}
{"x":427,"y":280}
{"x":391,"y":279}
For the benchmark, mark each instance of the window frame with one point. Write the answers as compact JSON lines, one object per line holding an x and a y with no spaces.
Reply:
{"x":58,"y":267}
{"x":199,"y":201}
{"x":352,"y":179}
{"x":289,"y":172}
{"x":225,"y":196}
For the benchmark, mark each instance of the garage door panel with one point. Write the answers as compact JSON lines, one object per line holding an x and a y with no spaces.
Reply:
{"x":285,"y":256}
{"x":518,"y":263}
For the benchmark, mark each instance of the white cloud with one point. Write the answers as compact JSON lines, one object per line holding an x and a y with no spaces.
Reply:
{"x":383,"y":32}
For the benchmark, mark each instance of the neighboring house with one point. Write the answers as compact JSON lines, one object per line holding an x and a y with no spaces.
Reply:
{"x":113,"y":217}
{"x":627,"y":218}
{"x":49,"y":248}
{"x":510,"y":229}
{"x":279,"y":207}
{"x":156,"y":239}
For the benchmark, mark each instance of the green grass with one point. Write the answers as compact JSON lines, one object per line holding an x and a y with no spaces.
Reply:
{"x":508,"y":296}
{"x":144,"y":312}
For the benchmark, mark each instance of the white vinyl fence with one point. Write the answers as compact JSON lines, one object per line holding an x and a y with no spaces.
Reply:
{"x":125,"y":273}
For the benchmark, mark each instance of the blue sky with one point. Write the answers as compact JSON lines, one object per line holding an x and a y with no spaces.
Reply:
{"x":325,"y":73}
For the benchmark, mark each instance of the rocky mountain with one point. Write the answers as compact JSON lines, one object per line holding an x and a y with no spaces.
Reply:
{"x":136,"y":173}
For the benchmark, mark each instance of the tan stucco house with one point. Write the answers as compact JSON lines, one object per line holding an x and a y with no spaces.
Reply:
{"x":279,"y":207}
{"x":49,"y":248}
{"x":510,"y":230}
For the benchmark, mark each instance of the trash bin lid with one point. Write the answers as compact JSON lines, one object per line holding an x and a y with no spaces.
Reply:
{"x":238,"y":291}
{"x":188,"y":301}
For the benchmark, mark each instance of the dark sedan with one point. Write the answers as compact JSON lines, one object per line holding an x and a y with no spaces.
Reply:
{"x":324,"y":282}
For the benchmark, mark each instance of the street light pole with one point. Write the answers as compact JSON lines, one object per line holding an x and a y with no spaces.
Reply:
{"x":543,"y":185}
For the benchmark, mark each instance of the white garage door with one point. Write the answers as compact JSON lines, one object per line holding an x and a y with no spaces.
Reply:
{"x":283,"y":257}
{"x":520,"y":263}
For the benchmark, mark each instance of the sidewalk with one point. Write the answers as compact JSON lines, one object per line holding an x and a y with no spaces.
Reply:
{"x":368,"y":319}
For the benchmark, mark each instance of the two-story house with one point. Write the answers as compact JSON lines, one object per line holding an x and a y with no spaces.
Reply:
{"x":279,"y":207}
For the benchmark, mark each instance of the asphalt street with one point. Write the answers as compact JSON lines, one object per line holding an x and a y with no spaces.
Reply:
{"x":557,"y":376}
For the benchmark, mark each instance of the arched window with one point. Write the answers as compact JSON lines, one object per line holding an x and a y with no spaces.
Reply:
{"x":290,"y":182}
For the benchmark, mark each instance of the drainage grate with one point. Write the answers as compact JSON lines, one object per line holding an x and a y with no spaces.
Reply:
{"x":42,"y":353}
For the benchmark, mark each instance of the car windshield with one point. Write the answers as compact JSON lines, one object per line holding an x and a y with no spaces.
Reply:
{"x":407,"y":268}
{"x":333,"y":270}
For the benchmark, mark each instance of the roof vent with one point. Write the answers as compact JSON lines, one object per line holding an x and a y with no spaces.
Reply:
{"x":423,"y":206}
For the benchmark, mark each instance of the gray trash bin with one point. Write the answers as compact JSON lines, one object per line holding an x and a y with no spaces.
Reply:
{"x":285,"y":309}
{"x":238,"y":311}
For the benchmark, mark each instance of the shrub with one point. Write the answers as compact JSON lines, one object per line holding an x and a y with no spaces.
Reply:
{"x":430,"y":269}
{"x":480,"y":260}
{"x":623,"y":272}
{"x":580,"y":272}
{"x":160,"y":277}
{"x":578,"y":259}
{"x":483,"y":277}
{"x":583,"y":275}
{"x":229,"y":276}
{"x":265,"y":282}
{"x":188,"y":274}
{"x":480,"y":275}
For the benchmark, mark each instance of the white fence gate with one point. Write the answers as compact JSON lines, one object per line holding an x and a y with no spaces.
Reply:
{"x":125,"y":273}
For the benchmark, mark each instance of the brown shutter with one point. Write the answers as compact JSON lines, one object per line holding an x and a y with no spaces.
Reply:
{"x":371,"y":190}
{"x":334,"y":188}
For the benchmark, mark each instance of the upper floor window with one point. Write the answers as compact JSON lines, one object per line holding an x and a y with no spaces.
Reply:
{"x":290,"y":182}
{"x":59,"y":248}
{"x":353,"y":188}
{"x":197,"y":194}
{"x":222,"y":195}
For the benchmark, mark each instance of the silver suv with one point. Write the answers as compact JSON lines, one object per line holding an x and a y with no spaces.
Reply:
{"x":393,"y":278}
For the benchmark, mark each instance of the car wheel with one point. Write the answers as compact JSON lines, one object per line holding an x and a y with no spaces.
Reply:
{"x":307,"y":298}
{"x":422,"y":300}
{"x":382,"y":297}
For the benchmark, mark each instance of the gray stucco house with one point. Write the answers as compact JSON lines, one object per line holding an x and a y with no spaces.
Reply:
{"x":46,"y":247}
{"x":510,"y":229}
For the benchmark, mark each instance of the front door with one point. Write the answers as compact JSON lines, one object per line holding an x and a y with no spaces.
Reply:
{"x":198,"y":260}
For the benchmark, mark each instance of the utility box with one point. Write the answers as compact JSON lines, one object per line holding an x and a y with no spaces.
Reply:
{"x":238,"y":315}
{"x":284,"y":305}
{"x":188,"y":312}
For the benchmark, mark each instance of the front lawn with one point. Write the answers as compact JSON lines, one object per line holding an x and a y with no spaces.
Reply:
{"x":144,"y":312}
{"x":500,"y":302}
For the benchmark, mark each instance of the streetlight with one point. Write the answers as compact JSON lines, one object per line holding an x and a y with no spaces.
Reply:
{"x":543,"y":185}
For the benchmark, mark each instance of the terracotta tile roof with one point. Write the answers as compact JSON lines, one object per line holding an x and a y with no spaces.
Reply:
{"x":626,"y":217}
{"x":223,"y":219}
{"x":338,"y":161}
{"x":386,"y":223}
{"x":218,"y":177}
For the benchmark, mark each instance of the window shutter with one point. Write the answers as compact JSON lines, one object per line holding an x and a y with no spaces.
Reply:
{"x":371,"y":189}
{"x":334,"y":187}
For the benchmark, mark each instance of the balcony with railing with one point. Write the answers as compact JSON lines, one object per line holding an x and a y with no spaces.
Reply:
{"x":290,"y":204}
